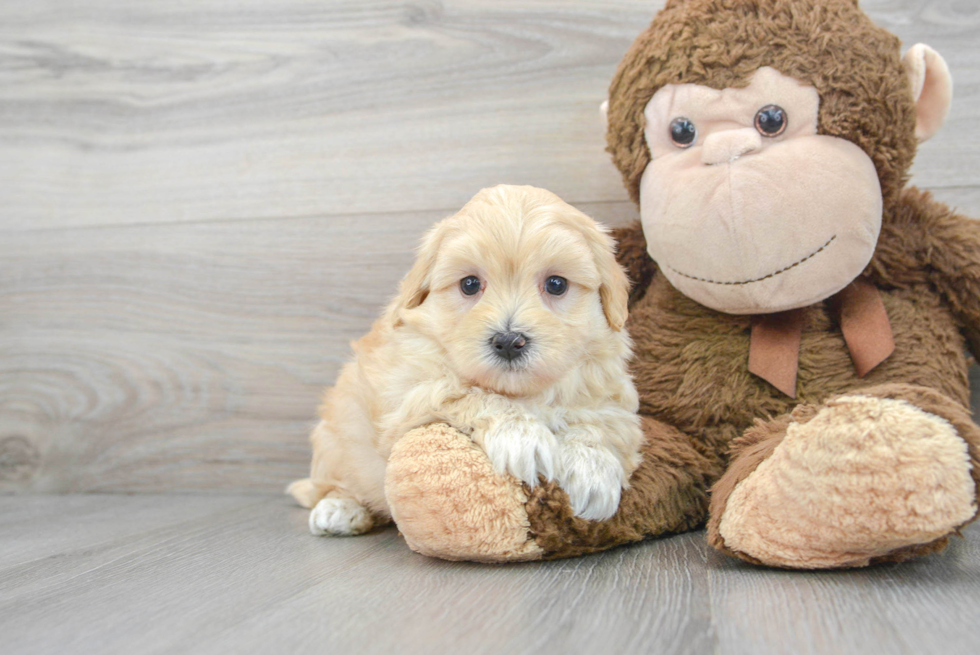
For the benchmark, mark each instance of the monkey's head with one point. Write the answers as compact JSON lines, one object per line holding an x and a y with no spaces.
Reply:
{"x":764,"y":139}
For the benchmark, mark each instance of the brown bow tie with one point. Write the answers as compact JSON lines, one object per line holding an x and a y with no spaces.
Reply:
{"x":774,"y":347}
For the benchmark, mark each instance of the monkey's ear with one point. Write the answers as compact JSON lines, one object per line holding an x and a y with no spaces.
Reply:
{"x":932,"y":88}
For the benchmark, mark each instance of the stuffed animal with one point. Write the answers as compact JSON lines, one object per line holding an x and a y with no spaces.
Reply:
{"x":800,"y":316}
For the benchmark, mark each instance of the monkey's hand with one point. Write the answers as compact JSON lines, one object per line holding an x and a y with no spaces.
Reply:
{"x":928,"y":241}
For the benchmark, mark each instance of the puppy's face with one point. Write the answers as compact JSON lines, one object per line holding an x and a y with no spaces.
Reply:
{"x":519,"y":287}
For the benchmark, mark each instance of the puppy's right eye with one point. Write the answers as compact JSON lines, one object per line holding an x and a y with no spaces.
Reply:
{"x":556,"y":285}
{"x":470,"y":285}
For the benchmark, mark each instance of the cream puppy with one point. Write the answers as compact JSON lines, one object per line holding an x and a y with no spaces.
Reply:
{"x":509,"y":327}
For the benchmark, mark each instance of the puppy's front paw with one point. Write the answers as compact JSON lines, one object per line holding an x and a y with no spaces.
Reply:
{"x":593,"y":479}
{"x":340,"y":517}
{"x":523,"y":449}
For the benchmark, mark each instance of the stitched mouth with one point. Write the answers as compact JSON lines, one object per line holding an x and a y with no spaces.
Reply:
{"x":758,"y":279}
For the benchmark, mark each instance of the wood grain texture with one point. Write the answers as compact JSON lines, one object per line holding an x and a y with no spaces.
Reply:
{"x":202,"y":203}
{"x":227,"y":574}
{"x":219,"y":110}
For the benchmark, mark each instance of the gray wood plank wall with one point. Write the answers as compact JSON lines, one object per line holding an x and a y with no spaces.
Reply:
{"x":202,"y":203}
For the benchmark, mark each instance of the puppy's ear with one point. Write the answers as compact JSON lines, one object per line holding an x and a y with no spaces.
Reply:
{"x":614,"y":285}
{"x":614,"y":289}
{"x":414,"y":286}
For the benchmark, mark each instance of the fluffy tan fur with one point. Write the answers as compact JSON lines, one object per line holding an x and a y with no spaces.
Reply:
{"x":565,"y":411}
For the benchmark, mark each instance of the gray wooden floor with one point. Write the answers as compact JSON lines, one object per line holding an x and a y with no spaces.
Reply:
{"x":239,"y":574}
{"x":202,"y":203}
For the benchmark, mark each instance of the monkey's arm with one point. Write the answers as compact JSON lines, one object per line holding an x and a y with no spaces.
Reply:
{"x":926,"y":241}
{"x":631,"y":253}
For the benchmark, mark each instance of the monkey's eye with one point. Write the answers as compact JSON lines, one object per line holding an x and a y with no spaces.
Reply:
{"x":771,"y":120}
{"x":682,"y":132}
{"x":470,"y":285}
{"x":556,"y":285}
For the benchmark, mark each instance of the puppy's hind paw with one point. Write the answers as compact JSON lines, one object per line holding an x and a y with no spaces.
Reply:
{"x":339,"y":517}
{"x":592,"y":478}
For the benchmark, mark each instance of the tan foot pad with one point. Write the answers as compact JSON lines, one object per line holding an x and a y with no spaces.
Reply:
{"x":865,"y":477}
{"x":448,"y":502}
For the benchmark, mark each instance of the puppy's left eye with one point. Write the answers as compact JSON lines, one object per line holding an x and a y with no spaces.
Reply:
{"x":556,"y":285}
{"x":470,"y":285}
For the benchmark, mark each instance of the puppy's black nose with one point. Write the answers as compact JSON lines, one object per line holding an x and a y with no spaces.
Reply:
{"x":509,"y":345}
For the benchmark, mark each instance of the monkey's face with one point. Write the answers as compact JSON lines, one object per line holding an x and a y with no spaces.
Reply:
{"x":745,"y":207}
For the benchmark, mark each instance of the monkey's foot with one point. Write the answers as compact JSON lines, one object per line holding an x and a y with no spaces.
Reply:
{"x":449,"y":502}
{"x":861,"y":479}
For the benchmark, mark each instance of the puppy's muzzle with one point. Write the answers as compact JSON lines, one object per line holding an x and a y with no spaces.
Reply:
{"x":509,"y":345}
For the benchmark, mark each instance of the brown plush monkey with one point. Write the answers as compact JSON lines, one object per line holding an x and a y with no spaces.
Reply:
{"x":800,"y":317}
